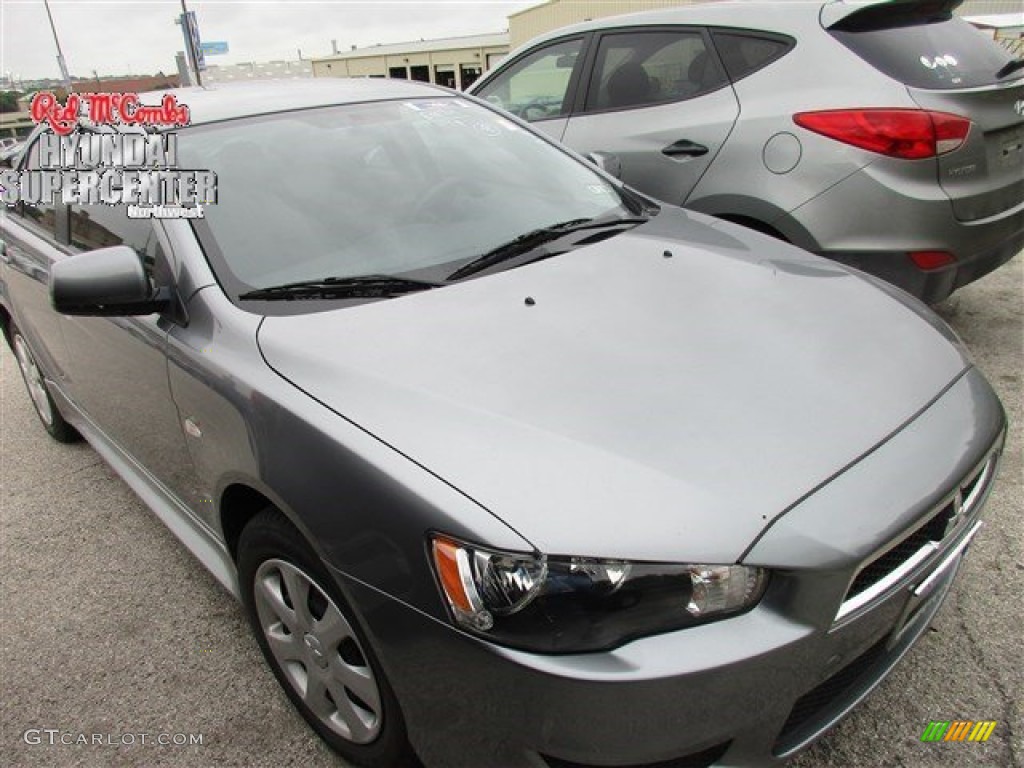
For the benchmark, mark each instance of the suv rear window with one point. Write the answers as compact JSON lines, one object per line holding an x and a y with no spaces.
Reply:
{"x":922,"y":52}
{"x":743,"y":53}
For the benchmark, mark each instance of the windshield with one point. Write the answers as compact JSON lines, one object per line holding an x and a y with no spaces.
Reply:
{"x":415,"y":188}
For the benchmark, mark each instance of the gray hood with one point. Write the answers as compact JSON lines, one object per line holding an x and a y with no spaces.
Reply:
{"x":642,"y":407}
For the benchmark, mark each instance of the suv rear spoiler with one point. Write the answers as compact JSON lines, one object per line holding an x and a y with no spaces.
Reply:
{"x":874,"y":14}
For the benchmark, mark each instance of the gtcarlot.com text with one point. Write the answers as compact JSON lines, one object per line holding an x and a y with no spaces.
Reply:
{"x":59,"y":737}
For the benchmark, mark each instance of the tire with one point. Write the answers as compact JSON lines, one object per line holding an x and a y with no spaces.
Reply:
{"x":45,"y":408}
{"x":286,"y":591}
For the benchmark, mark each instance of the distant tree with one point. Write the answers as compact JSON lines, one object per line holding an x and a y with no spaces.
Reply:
{"x":9,"y":101}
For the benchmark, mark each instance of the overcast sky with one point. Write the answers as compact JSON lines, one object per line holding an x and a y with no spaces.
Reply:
{"x":118,"y":37}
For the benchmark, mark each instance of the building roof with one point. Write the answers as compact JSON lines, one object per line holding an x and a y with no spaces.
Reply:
{"x":126,"y":84}
{"x":493,"y":40}
{"x":997,"y":20}
{"x":532,"y":8}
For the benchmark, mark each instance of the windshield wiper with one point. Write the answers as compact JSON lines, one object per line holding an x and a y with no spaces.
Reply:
{"x":537,"y":237}
{"x":1010,"y":68}
{"x":357,"y":287}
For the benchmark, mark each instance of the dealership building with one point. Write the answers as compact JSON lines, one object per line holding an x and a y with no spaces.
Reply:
{"x":454,"y":62}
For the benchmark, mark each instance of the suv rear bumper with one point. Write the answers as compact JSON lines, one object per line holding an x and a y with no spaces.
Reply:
{"x":932,"y":285}
{"x":876,"y":217}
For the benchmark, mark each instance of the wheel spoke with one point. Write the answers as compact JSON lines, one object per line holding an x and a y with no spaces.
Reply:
{"x":359,"y":680}
{"x":332,"y":628}
{"x":268,"y":594}
{"x":298,"y":591}
{"x":315,"y":695}
{"x":286,"y":647}
{"x":361,"y":725}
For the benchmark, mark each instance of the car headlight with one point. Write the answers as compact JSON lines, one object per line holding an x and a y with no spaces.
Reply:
{"x":576,"y":604}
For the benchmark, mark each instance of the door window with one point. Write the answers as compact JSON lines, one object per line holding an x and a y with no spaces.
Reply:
{"x":535,"y":87}
{"x":638,"y":69}
{"x":43,"y":216}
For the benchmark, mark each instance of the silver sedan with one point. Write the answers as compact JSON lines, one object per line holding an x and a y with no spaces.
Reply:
{"x":508,"y":464}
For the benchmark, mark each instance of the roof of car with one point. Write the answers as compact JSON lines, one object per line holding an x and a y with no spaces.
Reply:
{"x":777,"y":15}
{"x":227,"y":101}
{"x":737,"y":13}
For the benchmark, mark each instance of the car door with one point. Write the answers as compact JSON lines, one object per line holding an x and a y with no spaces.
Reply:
{"x":540,"y":85}
{"x":118,"y":365}
{"x":660,"y":100}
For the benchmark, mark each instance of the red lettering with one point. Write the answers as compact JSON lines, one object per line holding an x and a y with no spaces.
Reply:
{"x":129,"y":103}
{"x":62,"y":119}
{"x":100,"y":107}
{"x":42,"y":104}
{"x":106,"y":108}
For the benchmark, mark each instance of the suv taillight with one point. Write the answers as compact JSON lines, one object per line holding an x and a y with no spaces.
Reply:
{"x":911,"y":134}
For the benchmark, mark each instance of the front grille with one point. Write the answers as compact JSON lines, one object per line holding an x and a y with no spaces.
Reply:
{"x":827,"y":697}
{"x":701,"y":759}
{"x":889,"y":561}
{"x":879,"y":575}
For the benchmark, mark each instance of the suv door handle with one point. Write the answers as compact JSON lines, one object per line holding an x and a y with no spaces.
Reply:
{"x":3,"y":253}
{"x":685,"y":148}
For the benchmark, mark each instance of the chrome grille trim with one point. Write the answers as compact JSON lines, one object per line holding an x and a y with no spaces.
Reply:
{"x":965,"y":507}
{"x":948,"y":560}
{"x":853,"y":604}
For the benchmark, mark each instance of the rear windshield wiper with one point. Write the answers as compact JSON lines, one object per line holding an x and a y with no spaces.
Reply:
{"x":357,"y":287}
{"x":1010,"y":68}
{"x":537,"y":237}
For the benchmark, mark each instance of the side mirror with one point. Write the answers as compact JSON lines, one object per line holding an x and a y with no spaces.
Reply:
{"x":607,"y":162}
{"x":109,"y":282}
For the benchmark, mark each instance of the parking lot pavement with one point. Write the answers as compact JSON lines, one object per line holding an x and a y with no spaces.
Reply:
{"x":109,"y":627}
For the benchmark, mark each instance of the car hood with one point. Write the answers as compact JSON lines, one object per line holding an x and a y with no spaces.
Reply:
{"x":647,"y":397}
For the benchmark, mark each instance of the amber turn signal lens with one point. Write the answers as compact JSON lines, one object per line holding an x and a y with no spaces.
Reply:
{"x":446,"y":560}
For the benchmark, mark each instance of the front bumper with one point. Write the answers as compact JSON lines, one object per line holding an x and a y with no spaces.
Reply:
{"x":719,"y":695}
{"x":748,"y":691}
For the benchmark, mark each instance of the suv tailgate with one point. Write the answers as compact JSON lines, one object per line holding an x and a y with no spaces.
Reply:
{"x":949,"y":66}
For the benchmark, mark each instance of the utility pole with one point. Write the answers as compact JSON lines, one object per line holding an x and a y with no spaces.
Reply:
{"x":191,"y":44}
{"x":60,"y":54}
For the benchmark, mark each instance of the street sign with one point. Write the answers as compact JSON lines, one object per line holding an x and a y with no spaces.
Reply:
{"x":214,"y":47}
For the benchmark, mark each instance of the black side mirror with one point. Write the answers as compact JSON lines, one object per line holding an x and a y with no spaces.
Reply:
{"x":107,"y":283}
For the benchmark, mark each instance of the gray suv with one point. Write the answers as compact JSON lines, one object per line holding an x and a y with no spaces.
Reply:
{"x":887,"y":136}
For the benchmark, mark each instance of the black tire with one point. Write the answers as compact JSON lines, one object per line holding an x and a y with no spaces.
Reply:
{"x":51,"y":419}
{"x":271,"y":543}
